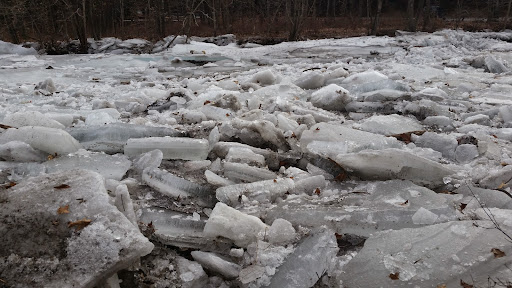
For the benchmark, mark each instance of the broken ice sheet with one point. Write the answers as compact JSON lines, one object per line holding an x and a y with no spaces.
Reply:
{"x":181,"y":230}
{"x":174,"y":186}
{"x":354,"y":140}
{"x":262,"y":191}
{"x":50,"y":140}
{"x":390,"y":125}
{"x":375,"y":206}
{"x":230,"y":223}
{"x":310,"y":260}
{"x":441,"y":254}
{"x":54,"y":255}
{"x":108,"y":166}
{"x":111,"y":138}
{"x":171,"y":147}
{"x":394,"y":164}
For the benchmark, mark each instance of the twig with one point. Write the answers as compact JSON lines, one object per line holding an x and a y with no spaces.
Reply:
{"x":489,"y":214}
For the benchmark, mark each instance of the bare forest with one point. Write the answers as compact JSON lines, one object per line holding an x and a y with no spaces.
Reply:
{"x":269,"y":21}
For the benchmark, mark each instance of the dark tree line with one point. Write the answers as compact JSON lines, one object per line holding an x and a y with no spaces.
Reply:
{"x":49,"y":21}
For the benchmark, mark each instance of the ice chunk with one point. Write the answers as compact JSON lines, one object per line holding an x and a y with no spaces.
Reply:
{"x":244,"y":172}
{"x":62,"y":118}
{"x":445,"y":254}
{"x":245,"y":155}
{"x":265,"y":78}
{"x":355,"y":140}
{"x":478,"y":119}
{"x":332,"y":97}
{"x":488,"y":198}
{"x":151,"y":159}
{"x":464,"y":153}
{"x":423,"y":216}
{"x":13,"y":171}
{"x":173,"y":186}
{"x":112,"y":138}
{"x":439,"y":122}
{"x":505,"y":113}
{"x":251,"y":273}
{"x":108,"y":166}
{"x":221,"y":149}
{"x":31,"y":118}
{"x":266,"y":129}
{"x":494,"y":66}
{"x":191,"y":273}
{"x":171,"y":147}
{"x":309,"y":185}
{"x":394,"y":164}
{"x":498,"y":179}
{"x":444,"y":143}
{"x":434,"y":94}
{"x":384,"y":95}
{"x":312,"y":80}
{"x":100,"y":118}
{"x":181,"y":230}
{"x":230,"y":223}
{"x":66,"y":242}
{"x":390,"y":125}
{"x":217,"y":180}
{"x":372,"y":207}
{"x":365,"y":77}
{"x":310,"y":260}
{"x":50,"y":140}
{"x":124,"y":203}
{"x":216,"y":264}
{"x":17,"y":151}
{"x":47,"y":87}
{"x":281,"y":232}
{"x":268,"y":190}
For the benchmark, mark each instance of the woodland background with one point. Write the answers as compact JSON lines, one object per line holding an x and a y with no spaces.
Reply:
{"x":265,"y":21}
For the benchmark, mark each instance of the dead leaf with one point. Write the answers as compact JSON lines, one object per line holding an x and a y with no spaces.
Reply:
{"x":446,"y":192}
{"x":55,"y":223}
{"x":465,"y":285}
{"x":317,"y":129}
{"x":5,"y":126}
{"x":317,"y":191}
{"x":497,"y":253}
{"x":79,"y":224}
{"x":3,"y":281}
{"x":207,"y":102}
{"x":502,"y":185}
{"x":10,"y":185}
{"x":62,"y":186}
{"x":405,"y":203}
{"x":63,"y":210}
{"x":394,"y":276}
{"x":441,"y":286}
{"x":462,"y":206}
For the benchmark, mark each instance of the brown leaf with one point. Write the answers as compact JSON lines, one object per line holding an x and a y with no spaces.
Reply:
{"x":462,"y":206}
{"x":497,"y":253}
{"x":394,"y":276}
{"x":317,"y":191}
{"x":405,"y":203}
{"x":465,"y":285}
{"x":63,"y":210}
{"x":441,"y":286}
{"x":10,"y":185}
{"x":502,"y":185}
{"x":5,"y":126}
{"x":62,"y":186}
{"x":79,"y":224}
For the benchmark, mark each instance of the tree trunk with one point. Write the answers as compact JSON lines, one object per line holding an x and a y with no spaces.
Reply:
{"x":427,"y":14}
{"x":410,"y":16}
{"x":508,"y":14}
{"x":376,"y":20}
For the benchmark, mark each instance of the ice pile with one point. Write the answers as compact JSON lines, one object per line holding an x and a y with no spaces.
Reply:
{"x":327,"y":163}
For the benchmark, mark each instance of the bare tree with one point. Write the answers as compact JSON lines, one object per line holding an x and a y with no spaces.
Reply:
{"x":411,"y":22}
{"x":297,"y":12}
{"x":376,"y":18}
